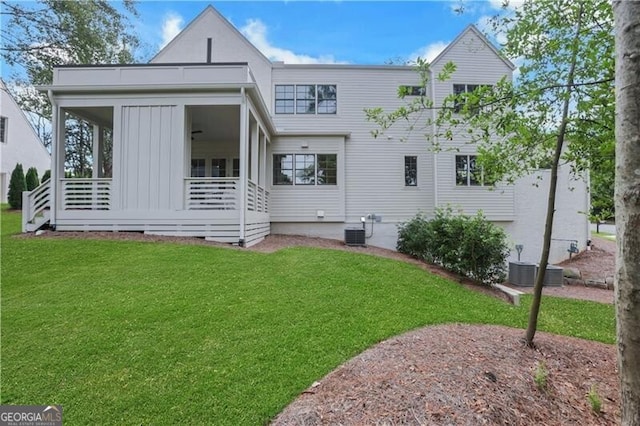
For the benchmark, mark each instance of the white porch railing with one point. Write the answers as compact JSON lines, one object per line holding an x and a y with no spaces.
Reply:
{"x":257,"y":198}
{"x":35,"y":207}
{"x":211,"y":193}
{"x":86,"y":194}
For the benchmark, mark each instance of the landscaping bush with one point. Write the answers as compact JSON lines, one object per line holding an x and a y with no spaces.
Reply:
{"x":17,"y":184}
{"x":46,"y":176}
{"x":470,"y":246}
{"x":32,"y":179}
{"x":413,"y":236}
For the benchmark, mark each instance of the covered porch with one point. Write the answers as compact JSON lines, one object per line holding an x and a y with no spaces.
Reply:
{"x":188,"y":161}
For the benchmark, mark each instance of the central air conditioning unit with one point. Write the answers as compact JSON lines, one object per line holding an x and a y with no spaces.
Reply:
{"x":354,"y":237}
{"x":522,"y":274}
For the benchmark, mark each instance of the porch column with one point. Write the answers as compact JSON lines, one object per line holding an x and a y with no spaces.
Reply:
{"x":98,"y":149}
{"x":262,"y":169}
{"x":255,"y":132}
{"x":244,"y":141}
{"x":55,"y":161}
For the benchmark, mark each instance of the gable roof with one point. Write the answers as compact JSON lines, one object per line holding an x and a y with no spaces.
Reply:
{"x":210,"y":10}
{"x":472,"y":28}
{"x":23,"y":115}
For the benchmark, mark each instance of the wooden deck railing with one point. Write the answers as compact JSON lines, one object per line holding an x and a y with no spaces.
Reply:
{"x":211,"y":193}
{"x":86,"y":194}
{"x":35,"y":207}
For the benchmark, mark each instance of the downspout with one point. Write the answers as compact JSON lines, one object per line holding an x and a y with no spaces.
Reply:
{"x":243,"y":165}
{"x":433,"y":135}
{"x":53,"y":185}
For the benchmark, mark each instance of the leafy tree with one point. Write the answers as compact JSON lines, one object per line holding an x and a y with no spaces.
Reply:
{"x":37,"y":36}
{"x":32,"y":179}
{"x":17,"y":184}
{"x":560,"y":107}
{"x":627,"y":285}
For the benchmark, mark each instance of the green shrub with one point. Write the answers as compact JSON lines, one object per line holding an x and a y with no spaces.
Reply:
{"x":17,"y":184}
{"x":413,"y":236}
{"x":540,"y":376}
{"x":32,"y":179}
{"x":470,"y":246}
{"x":46,"y":176}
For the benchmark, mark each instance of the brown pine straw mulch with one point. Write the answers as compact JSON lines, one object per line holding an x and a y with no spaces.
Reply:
{"x":464,"y":375}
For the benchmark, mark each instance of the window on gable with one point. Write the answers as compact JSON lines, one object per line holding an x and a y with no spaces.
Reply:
{"x":461,"y":90}
{"x":4,"y":121}
{"x":468,"y":172}
{"x":411,"y":170}
{"x":304,"y":169}
{"x":306,"y":99}
{"x":414,"y":90}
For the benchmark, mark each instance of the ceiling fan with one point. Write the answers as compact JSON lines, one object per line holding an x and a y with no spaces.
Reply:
{"x":195,"y":132}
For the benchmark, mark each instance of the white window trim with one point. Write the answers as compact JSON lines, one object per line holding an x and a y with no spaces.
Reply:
{"x":295,"y":100}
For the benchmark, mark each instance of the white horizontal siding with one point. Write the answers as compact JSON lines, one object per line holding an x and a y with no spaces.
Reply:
{"x":300,"y":203}
{"x":374,"y":168}
{"x":476,"y":63}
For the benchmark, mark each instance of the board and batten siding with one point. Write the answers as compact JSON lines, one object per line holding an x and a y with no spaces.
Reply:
{"x":373,"y":167}
{"x":476,"y":63}
{"x":150,"y":169}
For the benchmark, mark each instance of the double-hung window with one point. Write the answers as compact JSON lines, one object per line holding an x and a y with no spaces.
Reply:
{"x":219,"y":167}
{"x":469,"y":172}
{"x":411,"y":170}
{"x":304,"y":169}
{"x":306,"y":99}
{"x":198,"y":167}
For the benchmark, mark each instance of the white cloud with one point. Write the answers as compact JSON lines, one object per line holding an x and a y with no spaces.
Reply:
{"x":429,"y":52}
{"x":171,"y":26}
{"x":256,"y":32}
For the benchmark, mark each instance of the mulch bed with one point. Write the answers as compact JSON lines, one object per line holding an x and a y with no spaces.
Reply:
{"x":464,"y":375}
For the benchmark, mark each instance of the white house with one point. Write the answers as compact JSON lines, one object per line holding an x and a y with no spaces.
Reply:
{"x":211,"y":139}
{"x":19,"y":143}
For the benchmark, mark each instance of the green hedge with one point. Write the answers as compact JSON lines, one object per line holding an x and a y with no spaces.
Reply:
{"x":468,"y":245}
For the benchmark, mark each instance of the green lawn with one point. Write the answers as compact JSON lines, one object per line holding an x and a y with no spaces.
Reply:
{"x":163,"y":333}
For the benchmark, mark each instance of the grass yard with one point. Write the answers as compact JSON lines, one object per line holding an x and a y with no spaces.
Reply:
{"x":605,"y":235}
{"x":161,"y":333}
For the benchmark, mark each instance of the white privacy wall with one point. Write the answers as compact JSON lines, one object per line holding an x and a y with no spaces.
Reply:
{"x":570,"y":220}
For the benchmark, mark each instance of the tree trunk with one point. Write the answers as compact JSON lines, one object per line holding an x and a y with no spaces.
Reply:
{"x":627,"y":199}
{"x":551,"y":204}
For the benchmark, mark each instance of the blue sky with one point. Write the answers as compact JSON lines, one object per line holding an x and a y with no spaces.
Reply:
{"x":359,"y":32}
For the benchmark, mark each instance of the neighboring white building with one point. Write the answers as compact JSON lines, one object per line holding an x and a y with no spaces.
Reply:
{"x":212,"y":139}
{"x":19,"y":143}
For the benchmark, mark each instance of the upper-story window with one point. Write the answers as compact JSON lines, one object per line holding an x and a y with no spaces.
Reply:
{"x":306,"y":99}
{"x":414,"y":90}
{"x":3,"y":129}
{"x":461,"y":89}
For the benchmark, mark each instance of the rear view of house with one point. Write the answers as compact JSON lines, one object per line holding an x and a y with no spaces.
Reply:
{"x":212,"y":139}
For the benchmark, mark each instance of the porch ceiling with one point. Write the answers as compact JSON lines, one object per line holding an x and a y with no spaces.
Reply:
{"x":96,"y":115}
{"x":215,"y":123}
